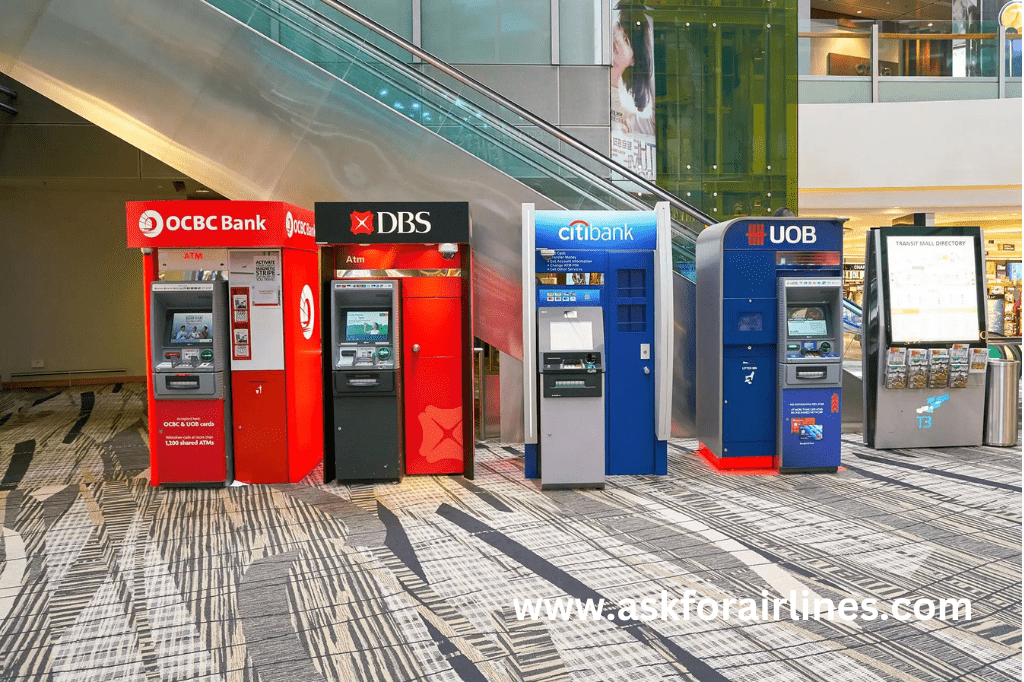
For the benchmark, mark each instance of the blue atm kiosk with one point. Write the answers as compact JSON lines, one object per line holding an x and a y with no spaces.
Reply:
{"x":620,"y":262}
{"x":764,"y":366}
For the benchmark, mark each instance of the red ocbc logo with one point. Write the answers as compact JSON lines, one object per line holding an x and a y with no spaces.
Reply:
{"x":835,"y":402}
{"x":755,"y":234}
{"x":362,"y":223}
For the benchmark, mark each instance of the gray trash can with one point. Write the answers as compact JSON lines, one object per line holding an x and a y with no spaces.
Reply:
{"x":1003,"y":390}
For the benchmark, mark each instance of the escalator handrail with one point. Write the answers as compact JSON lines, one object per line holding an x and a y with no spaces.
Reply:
{"x":490,"y":94}
{"x":443,"y":91}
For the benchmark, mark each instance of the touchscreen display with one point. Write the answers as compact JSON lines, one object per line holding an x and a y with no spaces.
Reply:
{"x":192,"y":326}
{"x":367,"y":325}
{"x":807,"y":320}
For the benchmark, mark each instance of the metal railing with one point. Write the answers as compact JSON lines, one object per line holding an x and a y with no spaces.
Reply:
{"x":645,"y":185}
{"x":910,"y":51}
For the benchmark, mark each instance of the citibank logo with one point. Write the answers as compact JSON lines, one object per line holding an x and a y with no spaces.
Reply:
{"x":293,"y":226}
{"x":151,"y":223}
{"x":307,"y":312}
{"x":582,"y":231}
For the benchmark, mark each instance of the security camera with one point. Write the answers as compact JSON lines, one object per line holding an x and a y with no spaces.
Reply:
{"x":448,"y":251}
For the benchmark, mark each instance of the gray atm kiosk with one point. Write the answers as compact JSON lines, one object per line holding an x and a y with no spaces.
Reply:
{"x":570,"y":348}
{"x":810,"y":374}
{"x":364,"y":379}
{"x":189,"y":340}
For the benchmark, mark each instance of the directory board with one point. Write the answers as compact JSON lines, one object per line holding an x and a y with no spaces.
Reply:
{"x":932,"y":288}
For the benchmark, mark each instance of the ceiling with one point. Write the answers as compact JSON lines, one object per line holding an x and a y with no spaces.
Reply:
{"x":886,"y":9}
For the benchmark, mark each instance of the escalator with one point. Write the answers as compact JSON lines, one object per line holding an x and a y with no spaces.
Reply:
{"x":309,"y":101}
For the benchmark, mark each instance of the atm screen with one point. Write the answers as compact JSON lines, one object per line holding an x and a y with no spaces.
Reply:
{"x":190,"y":326}
{"x":367,"y":325}
{"x":807,"y":320}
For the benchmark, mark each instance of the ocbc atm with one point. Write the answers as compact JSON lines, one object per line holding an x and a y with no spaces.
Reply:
{"x":232,"y":294}
{"x":398,"y":373}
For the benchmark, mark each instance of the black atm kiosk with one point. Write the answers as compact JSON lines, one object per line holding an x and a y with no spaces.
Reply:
{"x":367,"y":435}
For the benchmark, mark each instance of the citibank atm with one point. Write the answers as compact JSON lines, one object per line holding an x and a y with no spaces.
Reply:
{"x":570,"y":354}
{"x":810,"y":351}
{"x":597,"y":344}
{"x":769,"y":331}
{"x":367,"y":428}
{"x":191,"y":427}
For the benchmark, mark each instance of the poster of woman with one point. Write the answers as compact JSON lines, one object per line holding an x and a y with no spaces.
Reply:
{"x":632,"y":90}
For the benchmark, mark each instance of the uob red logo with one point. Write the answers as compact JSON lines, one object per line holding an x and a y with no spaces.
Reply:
{"x":755,"y":234}
{"x":835,"y":402}
{"x":362,"y":223}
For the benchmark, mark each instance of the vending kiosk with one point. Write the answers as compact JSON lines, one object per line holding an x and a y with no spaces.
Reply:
{"x":364,"y":383}
{"x":769,"y":373}
{"x":190,"y":423}
{"x":263,"y":257}
{"x":597,"y":344}
{"x":924,"y":337}
{"x":421,"y":251}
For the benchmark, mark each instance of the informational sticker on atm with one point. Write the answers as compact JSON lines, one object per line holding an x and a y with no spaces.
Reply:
{"x":807,"y":429}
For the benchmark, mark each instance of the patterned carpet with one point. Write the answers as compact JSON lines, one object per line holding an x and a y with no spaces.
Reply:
{"x":103,"y":577}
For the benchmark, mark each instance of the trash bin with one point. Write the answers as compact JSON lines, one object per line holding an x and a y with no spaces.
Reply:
{"x":1003,"y":390}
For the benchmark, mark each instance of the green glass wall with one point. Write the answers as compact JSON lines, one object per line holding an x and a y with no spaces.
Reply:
{"x":726,"y":79}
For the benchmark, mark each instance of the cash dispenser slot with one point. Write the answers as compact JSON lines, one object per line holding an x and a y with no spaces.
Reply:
{"x":364,"y":382}
{"x":811,"y":373}
{"x":176,"y":383}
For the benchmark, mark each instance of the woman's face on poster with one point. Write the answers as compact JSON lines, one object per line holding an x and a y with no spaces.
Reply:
{"x":622,"y":51}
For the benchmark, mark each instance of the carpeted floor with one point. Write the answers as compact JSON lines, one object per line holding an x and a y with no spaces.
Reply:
{"x":103,"y":577}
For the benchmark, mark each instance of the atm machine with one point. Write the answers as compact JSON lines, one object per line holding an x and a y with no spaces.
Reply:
{"x":570,"y":355}
{"x":367,"y":426}
{"x":810,"y":374}
{"x":191,"y":426}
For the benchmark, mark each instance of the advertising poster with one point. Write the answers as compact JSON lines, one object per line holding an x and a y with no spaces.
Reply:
{"x":632,"y":91}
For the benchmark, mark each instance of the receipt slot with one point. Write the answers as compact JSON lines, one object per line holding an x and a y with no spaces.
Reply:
{"x":367,"y":433}
{"x":810,"y":374}
{"x":571,"y":359}
{"x":190,"y":426}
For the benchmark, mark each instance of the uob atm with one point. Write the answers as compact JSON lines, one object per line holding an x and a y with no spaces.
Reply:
{"x":597,"y":335}
{"x":769,"y":343}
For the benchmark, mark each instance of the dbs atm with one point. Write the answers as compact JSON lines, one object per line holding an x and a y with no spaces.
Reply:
{"x":364,"y":381}
{"x":400,"y":368}
{"x":191,"y":382}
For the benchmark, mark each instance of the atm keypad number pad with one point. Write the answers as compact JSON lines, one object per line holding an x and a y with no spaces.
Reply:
{"x":188,"y":358}
{"x":358,"y":357}
{"x":810,"y":349}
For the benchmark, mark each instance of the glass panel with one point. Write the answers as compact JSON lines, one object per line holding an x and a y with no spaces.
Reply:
{"x":1013,"y":57}
{"x":725,"y":106}
{"x":838,"y":48}
{"x":579,"y":31}
{"x":488,"y":31}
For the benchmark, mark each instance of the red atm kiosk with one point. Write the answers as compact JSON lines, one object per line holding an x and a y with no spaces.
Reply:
{"x":261,"y":259}
{"x":423,"y":248}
